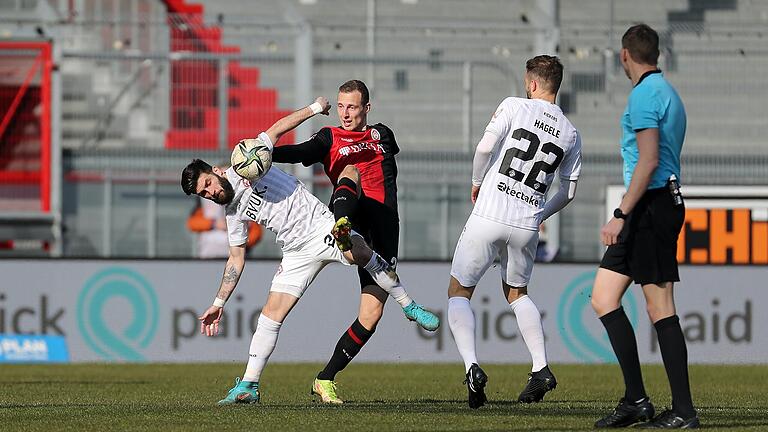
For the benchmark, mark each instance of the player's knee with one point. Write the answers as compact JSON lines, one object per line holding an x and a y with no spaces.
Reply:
{"x":514,"y":293}
{"x":278,"y":306}
{"x":659,"y":310}
{"x":653,"y":311}
{"x":602,"y":306}
{"x":351,"y":172}
{"x":276,"y":314}
{"x":371,"y":315}
{"x":361,"y":253}
{"x":455,"y":289}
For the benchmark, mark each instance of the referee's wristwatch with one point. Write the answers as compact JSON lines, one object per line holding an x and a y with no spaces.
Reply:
{"x":618,"y":214}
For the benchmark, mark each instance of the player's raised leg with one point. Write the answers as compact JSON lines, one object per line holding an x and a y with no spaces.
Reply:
{"x":263,"y":343}
{"x":344,"y":203}
{"x":373,"y":269}
{"x":385,"y":276}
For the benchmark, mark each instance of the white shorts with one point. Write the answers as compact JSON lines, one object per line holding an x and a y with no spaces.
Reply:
{"x":482,"y":241}
{"x":299,"y":268}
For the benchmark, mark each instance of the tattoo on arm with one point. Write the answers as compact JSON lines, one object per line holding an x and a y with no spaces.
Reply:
{"x":230,"y":275}
{"x":228,"y":282}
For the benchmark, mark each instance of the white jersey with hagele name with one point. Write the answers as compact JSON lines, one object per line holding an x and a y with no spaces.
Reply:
{"x":279,"y":202}
{"x":535,"y":139}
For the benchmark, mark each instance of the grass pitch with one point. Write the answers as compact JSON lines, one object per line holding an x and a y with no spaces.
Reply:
{"x":380,"y":397}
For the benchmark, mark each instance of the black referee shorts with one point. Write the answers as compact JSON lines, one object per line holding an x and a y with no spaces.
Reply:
{"x":646,"y":249}
{"x":379,"y":225}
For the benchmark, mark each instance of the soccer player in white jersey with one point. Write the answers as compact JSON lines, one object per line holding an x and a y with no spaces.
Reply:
{"x":525,"y":143}
{"x":302,"y":223}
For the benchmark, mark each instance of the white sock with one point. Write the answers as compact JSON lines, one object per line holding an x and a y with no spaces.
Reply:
{"x":262,"y":345}
{"x":385,"y":277}
{"x":461,"y":319}
{"x":529,"y":323}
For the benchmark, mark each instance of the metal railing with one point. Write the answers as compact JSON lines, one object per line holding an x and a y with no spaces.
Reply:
{"x":434,"y":85}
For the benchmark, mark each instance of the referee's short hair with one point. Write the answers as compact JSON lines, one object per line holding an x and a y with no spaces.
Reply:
{"x":548,"y":69}
{"x":356,"y":85}
{"x":642,"y":42}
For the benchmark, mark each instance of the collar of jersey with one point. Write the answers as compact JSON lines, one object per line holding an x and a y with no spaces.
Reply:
{"x":646,"y":75}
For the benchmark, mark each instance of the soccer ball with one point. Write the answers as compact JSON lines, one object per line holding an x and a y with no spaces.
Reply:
{"x":251,"y":159}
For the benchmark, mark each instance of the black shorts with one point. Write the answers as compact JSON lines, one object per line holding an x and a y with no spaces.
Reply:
{"x":647,"y":246}
{"x":379,"y":225}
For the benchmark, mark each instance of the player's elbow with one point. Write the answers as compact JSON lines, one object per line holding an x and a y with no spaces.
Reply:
{"x":649,"y":161}
{"x":571,"y":189}
{"x":484,"y":152}
{"x":275,"y":132}
{"x":237,"y":255}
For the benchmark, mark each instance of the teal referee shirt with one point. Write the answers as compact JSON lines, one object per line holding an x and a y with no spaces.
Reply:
{"x":654,"y":103}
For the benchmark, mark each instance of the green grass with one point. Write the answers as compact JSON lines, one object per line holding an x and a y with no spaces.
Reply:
{"x":380,"y":397}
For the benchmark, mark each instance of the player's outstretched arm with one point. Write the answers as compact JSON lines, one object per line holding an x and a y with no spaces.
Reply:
{"x":209,"y":320}
{"x":292,"y":120}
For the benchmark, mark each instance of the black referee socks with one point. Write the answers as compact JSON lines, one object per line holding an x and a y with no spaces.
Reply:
{"x":344,"y":201}
{"x":624,"y":344}
{"x":675,"y":355}
{"x":350,"y":343}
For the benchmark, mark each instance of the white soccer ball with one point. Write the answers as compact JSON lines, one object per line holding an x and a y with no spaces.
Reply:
{"x":251,"y":159}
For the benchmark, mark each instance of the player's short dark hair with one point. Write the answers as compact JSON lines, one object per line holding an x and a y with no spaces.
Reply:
{"x":642,"y":42}
{"x":356,"y":85}
{"x":191,"y":173}
{"x":548,"y":69}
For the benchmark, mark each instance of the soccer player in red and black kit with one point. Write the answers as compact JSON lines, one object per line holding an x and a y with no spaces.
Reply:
{"x":360,"y":162}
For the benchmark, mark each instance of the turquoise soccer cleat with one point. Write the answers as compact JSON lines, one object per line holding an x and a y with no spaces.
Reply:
{"x":244,"y":392}
{"x":423,"y":317}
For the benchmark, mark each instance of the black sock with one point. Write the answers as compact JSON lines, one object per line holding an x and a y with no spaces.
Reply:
{"x":344,"y":201}
{"x":675,"y":356}
{"x":347,"y":348}
{"x":624,"y":344}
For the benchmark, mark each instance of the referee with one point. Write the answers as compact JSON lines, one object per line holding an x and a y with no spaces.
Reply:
{"x":642,"y":237}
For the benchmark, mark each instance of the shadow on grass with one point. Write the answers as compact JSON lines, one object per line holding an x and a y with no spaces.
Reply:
{"x":432,"y":406}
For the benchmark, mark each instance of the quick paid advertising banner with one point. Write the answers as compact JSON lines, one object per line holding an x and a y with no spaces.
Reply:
{"x":139,"y":311}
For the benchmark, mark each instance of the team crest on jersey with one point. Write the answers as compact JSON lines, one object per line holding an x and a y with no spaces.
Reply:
{"x":375,"y":134}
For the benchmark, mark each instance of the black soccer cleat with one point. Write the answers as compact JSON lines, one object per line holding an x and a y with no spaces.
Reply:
{"x":670,"y":420}
{"x":476,"y":380}
{"x":627,"y":413}
{"x":539,"y":383}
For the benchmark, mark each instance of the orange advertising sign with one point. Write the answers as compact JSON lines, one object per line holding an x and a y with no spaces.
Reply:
{"x":722,"y":236}
{"x":723,"y":224}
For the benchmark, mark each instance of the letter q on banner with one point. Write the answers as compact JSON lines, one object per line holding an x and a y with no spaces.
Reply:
{"x":578,"y":325}
{"x":99,"y":319}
